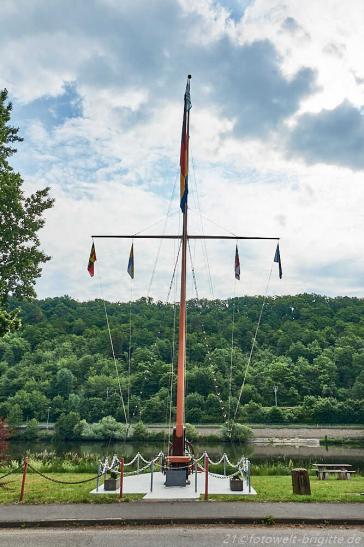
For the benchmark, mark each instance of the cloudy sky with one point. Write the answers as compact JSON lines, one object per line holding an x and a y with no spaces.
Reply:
{"x":277,"y":138}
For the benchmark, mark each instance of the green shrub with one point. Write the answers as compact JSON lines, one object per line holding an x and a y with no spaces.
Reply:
{"x":140,"y":432}
{"x":235,"y":432}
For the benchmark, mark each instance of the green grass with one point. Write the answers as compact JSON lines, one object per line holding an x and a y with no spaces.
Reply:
{"x":269,"y":488}
{"x":279,"y":488}
{"x":40,"y":490}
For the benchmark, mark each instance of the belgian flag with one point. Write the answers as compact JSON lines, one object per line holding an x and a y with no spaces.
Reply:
{"x":91,"y":261}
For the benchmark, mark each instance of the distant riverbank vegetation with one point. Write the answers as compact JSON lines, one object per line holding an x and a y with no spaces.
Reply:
{"x":59,"y":365}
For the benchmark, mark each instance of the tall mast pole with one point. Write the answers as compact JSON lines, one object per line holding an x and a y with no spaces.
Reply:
{"x":179,"y":435}
{"x":182,"y":337}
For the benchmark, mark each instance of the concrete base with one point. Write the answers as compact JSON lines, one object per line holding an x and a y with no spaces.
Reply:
{"x":140,"y":484}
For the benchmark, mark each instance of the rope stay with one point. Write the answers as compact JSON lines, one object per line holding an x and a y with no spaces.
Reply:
{"x":130,"y":340}
{"x":231,"y":352}
{"x":204,"y":246}
{"x":113,"y":350}
{"x":212,"y":367}
{"x":168,"y":214}
{"x":115,"y":363}
{"x":254,"y":341}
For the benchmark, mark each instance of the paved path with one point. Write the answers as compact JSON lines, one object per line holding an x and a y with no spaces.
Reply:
{"x":183,"y":536}
{"x":177,"y":512}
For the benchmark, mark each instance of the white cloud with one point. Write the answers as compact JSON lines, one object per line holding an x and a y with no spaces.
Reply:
{"x":112,"y":166}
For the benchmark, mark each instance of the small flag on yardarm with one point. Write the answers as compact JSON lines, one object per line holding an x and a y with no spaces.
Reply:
{"x":91,"y":261}
{"x":237,"y":264}
{"x":277,"y":258}
{"x":131,"y":262}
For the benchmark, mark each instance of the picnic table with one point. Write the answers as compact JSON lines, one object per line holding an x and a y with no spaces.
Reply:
{"x":342,"y":470}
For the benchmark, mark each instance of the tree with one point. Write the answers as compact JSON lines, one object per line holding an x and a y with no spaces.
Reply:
{"x":66,"y":426}
{"x":31,"y":430}
{"x":9,"y":322}
{"x":15,"y":415}
{"x":64,"y":381}
{"x":21,"y":218}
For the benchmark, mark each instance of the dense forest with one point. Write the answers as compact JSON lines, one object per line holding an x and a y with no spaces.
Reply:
{"x":61,"y":361}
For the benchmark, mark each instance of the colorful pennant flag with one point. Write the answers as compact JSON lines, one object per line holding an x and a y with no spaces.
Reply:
{"x":131,"y":262}
{"x":91,"y":261}
{"x":237,"y":264}
{"x":277,"y":258}
{"x":184,"y":147}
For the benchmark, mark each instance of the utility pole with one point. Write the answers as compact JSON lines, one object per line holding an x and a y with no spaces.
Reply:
{"x":275,"y":389}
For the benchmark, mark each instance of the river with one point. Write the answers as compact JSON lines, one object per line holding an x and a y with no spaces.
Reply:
{"x":257,"y":453}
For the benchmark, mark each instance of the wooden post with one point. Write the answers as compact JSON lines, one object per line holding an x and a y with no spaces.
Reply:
{"x":25,"y":468}
{"x":301,"y":482}
{"x":151,"y":475}
{"x":98,"y":477}
{"x":206,"y":477}
{"x":121,"y":477}
{"x":196,"y":476}
{"x":250,"y":476}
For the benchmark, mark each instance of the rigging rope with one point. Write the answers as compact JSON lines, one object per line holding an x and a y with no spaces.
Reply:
{"x":130,"y":338}
{"x":163,"y":233}
{"x":254,"y":341}
{"x":115,"y":363}
{"x":231,"y":352}
{"x":113,"y":350}
{"x":204,"y":246}
{"x":193,"y":270}
{"x":212,"y":367}
{"x":174,"y":273}
{"x":173,"y":339}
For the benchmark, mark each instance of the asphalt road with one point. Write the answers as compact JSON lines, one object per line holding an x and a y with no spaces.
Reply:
{"x":202,"y":536}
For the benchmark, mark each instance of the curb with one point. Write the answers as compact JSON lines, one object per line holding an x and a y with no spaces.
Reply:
{"x":268,"y":521}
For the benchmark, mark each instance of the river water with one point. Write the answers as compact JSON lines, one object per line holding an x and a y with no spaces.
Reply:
{"x":298,"y":455}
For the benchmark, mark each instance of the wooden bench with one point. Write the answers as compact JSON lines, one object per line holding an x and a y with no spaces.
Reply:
{"x":323,"y":471}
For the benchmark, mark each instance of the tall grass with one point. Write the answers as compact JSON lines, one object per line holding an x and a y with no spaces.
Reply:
{"x":71,"y":462}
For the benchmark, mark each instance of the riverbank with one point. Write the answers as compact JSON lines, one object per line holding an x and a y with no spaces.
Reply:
{"x":281,"y":431}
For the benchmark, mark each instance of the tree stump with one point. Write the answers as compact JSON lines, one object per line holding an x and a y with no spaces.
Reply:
{"x":301,"y":482}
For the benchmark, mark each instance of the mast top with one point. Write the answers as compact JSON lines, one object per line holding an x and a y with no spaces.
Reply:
{"x":189,"y":76}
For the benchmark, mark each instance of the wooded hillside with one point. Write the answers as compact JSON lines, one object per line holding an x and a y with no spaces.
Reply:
{"x":310,"y":346}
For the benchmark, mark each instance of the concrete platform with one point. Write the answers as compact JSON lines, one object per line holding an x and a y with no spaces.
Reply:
{"x":141,"y":484}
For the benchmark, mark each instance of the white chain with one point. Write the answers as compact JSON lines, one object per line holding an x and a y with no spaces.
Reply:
{"x":242,"y":465}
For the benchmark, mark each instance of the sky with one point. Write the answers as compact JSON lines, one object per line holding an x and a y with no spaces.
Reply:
{"x":277,"y":140}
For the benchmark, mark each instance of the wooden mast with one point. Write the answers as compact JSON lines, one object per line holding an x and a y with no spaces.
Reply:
{"x":178,"y":443}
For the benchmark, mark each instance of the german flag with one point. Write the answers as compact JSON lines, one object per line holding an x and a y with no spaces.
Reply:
{"x":184,"y":146}
{"x":91,"y":261}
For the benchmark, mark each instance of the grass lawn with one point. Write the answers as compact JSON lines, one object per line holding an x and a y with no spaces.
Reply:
{"x":269,"y":488}
{"x":39,"y":490}
{"x":279,"y":488}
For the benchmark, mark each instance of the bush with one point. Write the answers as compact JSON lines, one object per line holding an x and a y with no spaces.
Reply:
{"x":235,"y":432}
{"x":191,"y":433}
{"x":106,"y":428}
{"x":66,"y":426}
{"x":140,"y":432}
{"x":31,"y":430}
